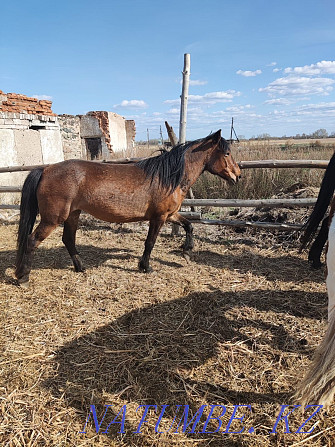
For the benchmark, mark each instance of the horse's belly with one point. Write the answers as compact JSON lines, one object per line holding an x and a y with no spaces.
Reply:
{"x":118,"y":211}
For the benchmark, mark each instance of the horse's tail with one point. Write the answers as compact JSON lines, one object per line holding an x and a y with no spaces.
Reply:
{"x":318,"y":386}
{"x":28,"y":213}
{"x":325,"y":194}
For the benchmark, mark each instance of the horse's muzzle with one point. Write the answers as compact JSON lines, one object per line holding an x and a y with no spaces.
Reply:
{"x":233,"y":179}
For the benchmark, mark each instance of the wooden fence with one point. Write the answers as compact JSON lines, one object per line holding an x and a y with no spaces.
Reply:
{"x":196,"y":217}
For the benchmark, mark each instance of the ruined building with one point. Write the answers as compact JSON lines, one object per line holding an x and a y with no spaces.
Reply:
{"x":31,"y":134}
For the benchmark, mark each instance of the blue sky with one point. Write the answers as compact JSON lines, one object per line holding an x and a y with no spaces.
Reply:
{"x":269,"y":64}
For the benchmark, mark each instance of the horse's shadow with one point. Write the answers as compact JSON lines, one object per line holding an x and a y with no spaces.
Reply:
{"x":149,"y":355}
{"x":93,"y":257}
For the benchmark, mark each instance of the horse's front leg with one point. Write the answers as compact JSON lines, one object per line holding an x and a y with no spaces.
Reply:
{"x":154,"y":228}
{"x":186,"y":224}
{"x":315,"y":251}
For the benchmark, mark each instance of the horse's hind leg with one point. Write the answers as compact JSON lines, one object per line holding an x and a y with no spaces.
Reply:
{"x":69,"y":239}
{"x":314,"y":254}
{"x":154,"y":228}
{"x":189,"y":243}
{"x":34,"y":239}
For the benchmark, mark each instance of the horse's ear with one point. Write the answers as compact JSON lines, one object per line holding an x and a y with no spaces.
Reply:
{"x":215,"y":137}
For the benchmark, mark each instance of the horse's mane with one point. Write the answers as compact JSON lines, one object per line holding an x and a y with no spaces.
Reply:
{"x":325,"y":194}
{"x":169,"y":166}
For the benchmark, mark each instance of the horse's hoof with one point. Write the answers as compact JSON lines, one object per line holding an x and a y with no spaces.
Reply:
{"x":77,"y":263}
{"x":23,"y":284}
{"x":315,"y":265}
{"x":187,"y":256}
{"x":144,"y":269}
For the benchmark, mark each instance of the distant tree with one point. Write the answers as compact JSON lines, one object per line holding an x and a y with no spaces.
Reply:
{"x":320,"y":133}
{"x":332,"y":135}
{"x":264,"y":136}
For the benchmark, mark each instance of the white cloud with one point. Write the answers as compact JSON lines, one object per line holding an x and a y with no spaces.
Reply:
{"x":132,"y":104}
{"x":272,"y":64}
{"x":173,"y":111}
{"x":197,"y":82}
{"x":278,"y":102}
{"x":275,"y":70}
{"x":43,"y":97}
{"x":326,"y":108}
{"x":194,"y":82}
{"x":238,"y":109}
{"x":249,"y":73}
{"x":296,"y":85}
{"x":320,"y":68}
{"x":208,"y":99}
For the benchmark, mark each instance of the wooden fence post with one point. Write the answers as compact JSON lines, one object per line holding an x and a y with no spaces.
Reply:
{"x":171,"y":134}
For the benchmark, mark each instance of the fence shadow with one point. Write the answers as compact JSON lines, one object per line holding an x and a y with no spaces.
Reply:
{"x":284,"y":268}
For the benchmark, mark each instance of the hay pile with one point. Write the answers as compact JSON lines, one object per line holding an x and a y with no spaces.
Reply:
{"x":235,"y":326}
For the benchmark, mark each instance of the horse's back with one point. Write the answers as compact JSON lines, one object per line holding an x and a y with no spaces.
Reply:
{"x":111,"y":192}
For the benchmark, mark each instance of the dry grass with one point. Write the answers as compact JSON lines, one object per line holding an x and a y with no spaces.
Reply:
{"x":237,"y":325}
{"x":265,"y":183}
{"x":262,"y":183}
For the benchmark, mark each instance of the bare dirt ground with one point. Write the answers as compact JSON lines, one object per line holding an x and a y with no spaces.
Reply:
{"x":237,"y":325}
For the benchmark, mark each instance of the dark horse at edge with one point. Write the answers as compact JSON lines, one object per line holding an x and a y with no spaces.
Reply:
{"x":149,"y":190}
{"x":320,"y":208}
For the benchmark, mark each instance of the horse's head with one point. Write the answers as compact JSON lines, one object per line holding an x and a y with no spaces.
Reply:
{"x":221,"y":162}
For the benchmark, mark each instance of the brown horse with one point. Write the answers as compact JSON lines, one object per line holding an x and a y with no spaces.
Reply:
{"x":151,"y":189}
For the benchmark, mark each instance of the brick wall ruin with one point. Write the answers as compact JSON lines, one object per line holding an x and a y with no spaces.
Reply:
{"x":131,"y":134}
{"x":14,"y":103}
{"x":70,"y":134}
{"x":103,"y":120}
{"x":31,"y":133}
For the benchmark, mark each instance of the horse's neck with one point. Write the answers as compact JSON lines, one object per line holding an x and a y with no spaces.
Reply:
{"x":194,"y":165}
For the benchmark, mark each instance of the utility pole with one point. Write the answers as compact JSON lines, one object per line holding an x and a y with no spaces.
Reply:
{"x":161,"y":134}
{"x":184,"y":98}
{"x":183,"y":115}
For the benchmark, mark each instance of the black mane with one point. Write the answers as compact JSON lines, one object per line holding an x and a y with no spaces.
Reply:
{"x":169,"y":166}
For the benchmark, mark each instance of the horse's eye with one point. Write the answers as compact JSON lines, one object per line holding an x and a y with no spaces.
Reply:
{"x":227,"y":154}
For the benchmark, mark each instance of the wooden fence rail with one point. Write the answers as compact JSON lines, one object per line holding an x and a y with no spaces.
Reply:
{"x":196,"y":218}
{"x":321,"y":164}
{"x":223,"y":203}
{"x":10,"y":189}
{"x":256,"y":203}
